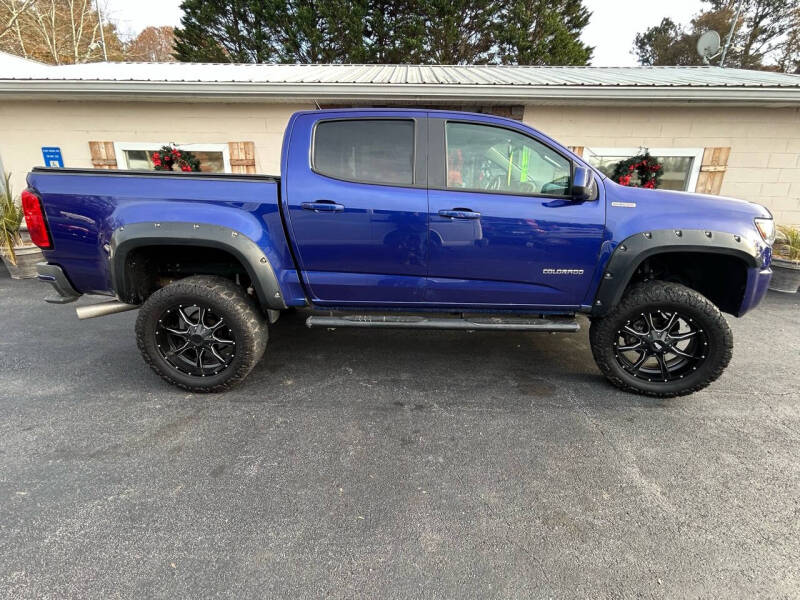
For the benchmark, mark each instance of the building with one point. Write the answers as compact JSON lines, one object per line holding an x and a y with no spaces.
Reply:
{"x":719,"y":131}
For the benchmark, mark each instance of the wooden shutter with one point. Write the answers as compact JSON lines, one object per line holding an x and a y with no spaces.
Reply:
{"x":103,"y":156}
{"x":712,"y":170}
{"x":577,"y":150}
{"x":243,"y":157}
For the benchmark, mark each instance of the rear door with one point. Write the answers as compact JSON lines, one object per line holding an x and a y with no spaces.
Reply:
{"x":503,"y":228}
{"x":357,"y":206}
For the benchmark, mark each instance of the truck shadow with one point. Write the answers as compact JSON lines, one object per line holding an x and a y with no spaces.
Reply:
{"x":420,"y":369}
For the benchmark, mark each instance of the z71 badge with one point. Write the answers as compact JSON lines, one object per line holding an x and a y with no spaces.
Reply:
{"x":562,"y":271}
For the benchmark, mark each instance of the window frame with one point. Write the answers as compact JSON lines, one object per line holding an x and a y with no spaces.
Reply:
{"x":121,"y":147}
{"x":662,"y":152}
{"x":441,"y":170}
{"x":419,"y":153}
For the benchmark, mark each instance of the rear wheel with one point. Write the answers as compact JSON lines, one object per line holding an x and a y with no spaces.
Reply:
{"x":662,"y":339}
{"x":202,"y":333}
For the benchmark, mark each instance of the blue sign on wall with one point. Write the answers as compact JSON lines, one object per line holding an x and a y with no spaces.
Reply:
{"x":52,"y":156}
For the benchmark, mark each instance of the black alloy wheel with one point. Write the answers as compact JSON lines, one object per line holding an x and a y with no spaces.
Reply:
{"x":660,"y":346}
{"x":203,"y":333}
{"x":662,"y":339}
{"x":195,"y":340}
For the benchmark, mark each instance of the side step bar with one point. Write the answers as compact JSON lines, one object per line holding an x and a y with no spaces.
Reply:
{"x":564,"y":325}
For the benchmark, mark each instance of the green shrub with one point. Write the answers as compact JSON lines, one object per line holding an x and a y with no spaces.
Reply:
{"x":787,"y":245}
{"x":10,"y":221}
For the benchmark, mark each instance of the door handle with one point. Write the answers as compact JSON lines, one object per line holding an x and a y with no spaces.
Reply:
{"x":460,"y":213}
{"x":323,"y":206}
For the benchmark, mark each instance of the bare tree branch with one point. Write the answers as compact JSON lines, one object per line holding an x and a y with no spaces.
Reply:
{"x":14,"y":10}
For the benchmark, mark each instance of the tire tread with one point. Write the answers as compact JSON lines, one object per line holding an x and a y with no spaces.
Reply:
{"x":601,"y":333}
{"x":218,"y":288}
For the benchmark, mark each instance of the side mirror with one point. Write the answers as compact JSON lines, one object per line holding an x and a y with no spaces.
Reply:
{"x":583,"y":184}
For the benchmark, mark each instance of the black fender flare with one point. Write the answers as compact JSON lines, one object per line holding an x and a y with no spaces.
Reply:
{"x":137,"y":235}
{"x":633,"y":250}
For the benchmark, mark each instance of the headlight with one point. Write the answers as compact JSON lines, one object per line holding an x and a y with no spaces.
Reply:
{"x":766,"y":227}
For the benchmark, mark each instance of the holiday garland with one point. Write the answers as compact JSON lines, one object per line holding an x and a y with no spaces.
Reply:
{"x":170,"y":155}
{"x":643,"y":166}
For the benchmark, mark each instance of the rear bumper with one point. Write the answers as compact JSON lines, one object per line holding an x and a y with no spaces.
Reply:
{"x":55,"y":276}
{"x":755,"y":290}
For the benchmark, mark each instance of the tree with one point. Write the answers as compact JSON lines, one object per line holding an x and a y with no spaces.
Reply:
{"x":459,"y":31}
{"x":536,"y":32}
{"x":394,"y":32}
{"x":306,"y":31}
{"x":766,"y":36}
{"x":667,"y":44}
{"x":10,"y":11}
{"x":789,"y":60}
{"x":56,"y":31}
{"x":380,"y":31}
{"x":153,"y":44}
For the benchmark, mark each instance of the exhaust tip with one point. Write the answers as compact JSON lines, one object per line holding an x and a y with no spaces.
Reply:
{"x":102,"y":309}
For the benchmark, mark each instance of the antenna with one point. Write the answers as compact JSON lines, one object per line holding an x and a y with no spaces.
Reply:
{"x":708,"y":46}
{"x":102,"y":35}
{"x":730,"y":33}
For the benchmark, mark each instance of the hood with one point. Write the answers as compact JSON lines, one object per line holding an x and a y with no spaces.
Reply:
{"x":686,"y":201}
{"x":635,"y":210}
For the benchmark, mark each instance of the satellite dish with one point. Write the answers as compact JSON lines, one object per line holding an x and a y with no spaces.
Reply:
{"x":708,"y":45}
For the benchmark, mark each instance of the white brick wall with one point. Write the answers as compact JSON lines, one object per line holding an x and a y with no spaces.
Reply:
{"x":763,"y":165}
{"x":27,"y":126}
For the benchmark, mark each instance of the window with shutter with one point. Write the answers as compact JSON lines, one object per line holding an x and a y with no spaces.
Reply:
{"x":103,"y":155}
{"x":243,"y":157}
{"x":712,"y":170}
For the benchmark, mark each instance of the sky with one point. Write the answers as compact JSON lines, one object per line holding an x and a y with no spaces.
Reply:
{"x":613,"y":25}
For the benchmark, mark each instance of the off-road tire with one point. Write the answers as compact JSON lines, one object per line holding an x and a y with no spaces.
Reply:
{"x":240,"y":313}
{"x":662,"y":295}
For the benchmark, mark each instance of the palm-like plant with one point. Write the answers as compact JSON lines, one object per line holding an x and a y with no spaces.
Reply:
{"x":788,"y":244}
{"x":10,"y":221}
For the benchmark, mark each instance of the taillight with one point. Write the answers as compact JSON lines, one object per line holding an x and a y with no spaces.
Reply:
{"x":34,"y":218}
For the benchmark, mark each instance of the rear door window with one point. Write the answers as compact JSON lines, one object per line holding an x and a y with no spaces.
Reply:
{"x":365,"y":150}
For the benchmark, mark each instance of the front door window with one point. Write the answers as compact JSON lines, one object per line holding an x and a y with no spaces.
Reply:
{"x":495,"y":159}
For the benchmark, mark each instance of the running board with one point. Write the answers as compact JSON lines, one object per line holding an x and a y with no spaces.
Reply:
{"x":555,"y":324}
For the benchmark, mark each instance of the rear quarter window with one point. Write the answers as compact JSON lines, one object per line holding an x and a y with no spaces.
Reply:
{"x":365,"y":150}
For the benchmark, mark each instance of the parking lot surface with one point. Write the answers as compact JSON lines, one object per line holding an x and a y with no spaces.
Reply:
{"x":391,"y":464}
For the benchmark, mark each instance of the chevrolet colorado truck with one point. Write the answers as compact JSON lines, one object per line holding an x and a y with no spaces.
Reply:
{"x":406,"y":219}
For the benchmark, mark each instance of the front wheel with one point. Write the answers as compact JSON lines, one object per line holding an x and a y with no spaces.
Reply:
{"x":201,"y":333}
{"x":662,"y":339}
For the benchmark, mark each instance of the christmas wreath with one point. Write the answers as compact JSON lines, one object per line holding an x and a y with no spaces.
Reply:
{"x":167,"y":156}
{"x":641,"y":170}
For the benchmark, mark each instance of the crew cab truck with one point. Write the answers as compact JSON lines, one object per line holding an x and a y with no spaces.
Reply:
{"x":406,"y":219}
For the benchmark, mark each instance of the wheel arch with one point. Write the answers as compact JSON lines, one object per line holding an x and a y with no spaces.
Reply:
{"x":137,"y":236}
{"x":675,"y":245}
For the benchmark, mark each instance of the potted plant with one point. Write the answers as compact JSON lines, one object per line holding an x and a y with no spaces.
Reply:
{"x":786,"y":260}
{"x":19,"y":257}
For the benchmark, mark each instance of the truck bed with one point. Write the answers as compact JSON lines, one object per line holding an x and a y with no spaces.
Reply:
{"x":85,"y":207}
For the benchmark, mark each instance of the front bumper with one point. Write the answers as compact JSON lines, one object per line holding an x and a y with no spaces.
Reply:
{"x":54,"y":275}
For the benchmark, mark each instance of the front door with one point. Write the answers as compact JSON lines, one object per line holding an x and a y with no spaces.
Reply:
{"x":503,"y":229}
{"x":358,"y":207}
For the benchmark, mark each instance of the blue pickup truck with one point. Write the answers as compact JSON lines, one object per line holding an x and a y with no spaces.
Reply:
{"x":406,"y":219}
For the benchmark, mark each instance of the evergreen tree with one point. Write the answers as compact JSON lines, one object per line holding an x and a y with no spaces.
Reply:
{"x":459,"y":31}
{"x":395,"y":32}
{"x":381,"y":31}
{"x":543,"y":32}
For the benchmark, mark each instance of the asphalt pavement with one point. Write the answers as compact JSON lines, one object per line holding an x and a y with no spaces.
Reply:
{"x":391,"y":464}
